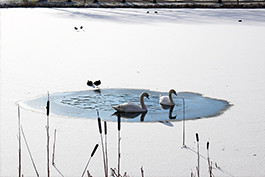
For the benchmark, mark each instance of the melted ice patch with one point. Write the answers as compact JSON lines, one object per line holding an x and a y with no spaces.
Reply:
{"x":83,"y":104}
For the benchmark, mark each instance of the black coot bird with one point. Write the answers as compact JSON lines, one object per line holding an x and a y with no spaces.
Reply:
{"x":90,"y":83}
{"x":93,"y":84}
{"x":97,"y":83}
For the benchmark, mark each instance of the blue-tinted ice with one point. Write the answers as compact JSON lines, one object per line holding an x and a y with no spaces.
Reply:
{"x":83,"y":104}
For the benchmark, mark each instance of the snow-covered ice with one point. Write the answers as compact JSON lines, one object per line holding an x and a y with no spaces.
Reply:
{"x":206,"y":51}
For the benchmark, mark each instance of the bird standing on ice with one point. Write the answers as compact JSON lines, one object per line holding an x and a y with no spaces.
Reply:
{"x":133,"y":107}
{"x":93,"y":84}
{"x":167,"y":100}
{"x":97,"y":83}
{"x":90,"y":83}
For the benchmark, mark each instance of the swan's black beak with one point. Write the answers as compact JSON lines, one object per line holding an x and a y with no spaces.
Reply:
{"x":147,"y":96}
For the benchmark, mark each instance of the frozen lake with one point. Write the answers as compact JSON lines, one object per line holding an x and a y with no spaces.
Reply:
{"x":205,"y":51}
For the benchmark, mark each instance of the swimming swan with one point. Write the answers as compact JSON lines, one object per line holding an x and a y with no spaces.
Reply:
{"x":167,"y":100}
{"x":133,"y":107}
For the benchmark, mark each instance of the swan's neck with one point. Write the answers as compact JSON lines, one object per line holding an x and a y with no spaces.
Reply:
{"x":170,"y":97}
{"x":142,"y":102}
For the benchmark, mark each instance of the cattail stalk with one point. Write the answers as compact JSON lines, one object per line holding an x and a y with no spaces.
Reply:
{"x":48,"y":136}
{"x":191,"y":174}
{"x":106,"y":146}
{"x":102,"y":144}
{"x":92,"y":154}
{"x":183,"y":125}
{"x":142,"y":171}
{"x":198,"y":153}
{"x":53,"y":152}
{"x":19,"y":145}
{"x":33,"y":163}
{"x":183,"y":128}
{"x":119,"y":143}
{"x":208,"y":159}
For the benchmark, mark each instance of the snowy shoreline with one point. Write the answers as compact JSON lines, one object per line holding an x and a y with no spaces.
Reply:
{"x":193,"y":4}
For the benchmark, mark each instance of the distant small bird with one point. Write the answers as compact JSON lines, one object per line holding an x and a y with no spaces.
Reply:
{"x":147,"y":12}
{"x":156,"y":12}
{"x":78,"y":29}
{"x":90,"y":83}
{"x":97,"y":83}
{"x":239,"y":20}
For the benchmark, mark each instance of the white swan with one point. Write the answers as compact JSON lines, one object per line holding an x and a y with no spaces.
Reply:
{"x":167,"y":100}
{"x":133,"y":107}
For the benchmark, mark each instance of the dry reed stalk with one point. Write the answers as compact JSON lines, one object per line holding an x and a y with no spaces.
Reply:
{"x":88,"y":174}
{"x":32,"y":161}
{"x":113,"y":172}
{"x":198,"y":153}
{"x":102,"y":144}
{"x":53,"y":155}
{"x":48,"y":136}
{"x":92,"y":154}
{"x":57,"y":170}
{"x":19,"y":145}
{"x":119,"y":143}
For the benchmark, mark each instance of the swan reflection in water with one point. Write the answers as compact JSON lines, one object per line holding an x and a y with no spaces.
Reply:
{"x":130,"y":115}
{"x":171,"y":108}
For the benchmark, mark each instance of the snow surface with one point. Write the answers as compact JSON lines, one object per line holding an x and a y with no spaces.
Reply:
{"x":206,"y":51}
